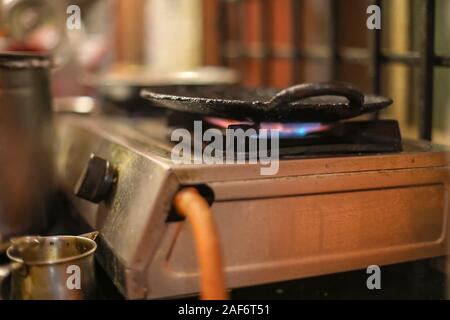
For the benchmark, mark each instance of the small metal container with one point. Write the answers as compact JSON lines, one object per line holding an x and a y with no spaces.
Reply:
{"x":26,"y":138}
{"x":51,"y":268}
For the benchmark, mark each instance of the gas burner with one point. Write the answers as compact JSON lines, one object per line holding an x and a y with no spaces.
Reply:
{"x":309,"y":138}
{"x":308,"y":118}
{"x":286,"y":130}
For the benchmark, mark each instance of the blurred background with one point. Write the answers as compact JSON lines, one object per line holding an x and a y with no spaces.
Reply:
{"x":268,"y":42}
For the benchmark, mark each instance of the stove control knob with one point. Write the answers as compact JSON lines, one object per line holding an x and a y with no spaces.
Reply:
{"x":97,"y":180}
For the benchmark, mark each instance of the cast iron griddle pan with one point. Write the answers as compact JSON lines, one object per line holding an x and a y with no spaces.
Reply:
{"x":322,"y":102}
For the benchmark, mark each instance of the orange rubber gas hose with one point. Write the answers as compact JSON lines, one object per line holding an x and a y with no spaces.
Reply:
{"x":191,"y":205}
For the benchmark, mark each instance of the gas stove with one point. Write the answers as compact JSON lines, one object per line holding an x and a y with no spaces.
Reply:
{"x":324,"y":211}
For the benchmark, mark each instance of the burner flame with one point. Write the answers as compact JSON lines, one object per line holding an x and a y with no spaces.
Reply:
{"x":286,"y":130}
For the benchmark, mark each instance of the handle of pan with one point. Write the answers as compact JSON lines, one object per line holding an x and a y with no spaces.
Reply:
{"x":301,"y":91}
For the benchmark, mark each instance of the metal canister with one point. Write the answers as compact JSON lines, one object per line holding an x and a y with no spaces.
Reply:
{"x":26,"y":137}
{"x":50,"y":268}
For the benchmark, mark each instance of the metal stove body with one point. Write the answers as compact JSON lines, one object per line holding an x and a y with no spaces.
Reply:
{"x":318,"y":215}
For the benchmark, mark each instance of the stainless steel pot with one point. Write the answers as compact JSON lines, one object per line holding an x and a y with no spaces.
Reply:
{"x":51,"y":268}
{"x":26,"y":137}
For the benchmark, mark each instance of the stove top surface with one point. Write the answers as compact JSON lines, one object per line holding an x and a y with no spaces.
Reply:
{"x":149,"y":137}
